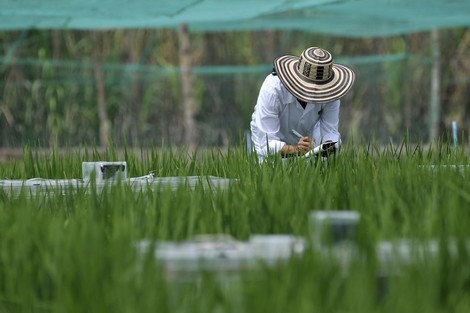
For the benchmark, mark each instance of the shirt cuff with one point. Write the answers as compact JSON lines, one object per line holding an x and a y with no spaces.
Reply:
{"x":272,"y":147}
{"x":330,"y":137}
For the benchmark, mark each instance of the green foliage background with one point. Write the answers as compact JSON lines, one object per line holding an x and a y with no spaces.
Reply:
{"x":48,"y":90}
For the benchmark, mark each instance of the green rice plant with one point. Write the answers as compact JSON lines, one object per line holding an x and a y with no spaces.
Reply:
{"x":75,"y":249}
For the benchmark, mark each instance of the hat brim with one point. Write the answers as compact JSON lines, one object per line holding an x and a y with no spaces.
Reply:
{"x":310,"y":91}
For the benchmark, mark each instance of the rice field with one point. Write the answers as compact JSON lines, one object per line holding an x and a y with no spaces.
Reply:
{"x":76,"y":251}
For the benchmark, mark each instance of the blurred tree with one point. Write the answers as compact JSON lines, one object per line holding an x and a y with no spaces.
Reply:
{"x":98,"y":51}
{"x":187,"y":85}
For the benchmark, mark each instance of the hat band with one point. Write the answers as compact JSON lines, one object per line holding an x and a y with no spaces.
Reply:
{"x":309,"y":80}
{"x":314,"y":72}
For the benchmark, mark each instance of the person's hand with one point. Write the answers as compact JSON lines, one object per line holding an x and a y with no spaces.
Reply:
{"x":304,"y":145}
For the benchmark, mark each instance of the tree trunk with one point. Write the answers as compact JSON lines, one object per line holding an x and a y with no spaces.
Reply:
{"x":187,"y":85}
{"x":136,"y":87}
{"x":435,"y":105}
{"x":101,"y":91}
{"x":53,"y":115}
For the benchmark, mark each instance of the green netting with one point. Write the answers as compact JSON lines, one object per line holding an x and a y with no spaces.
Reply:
{"x":162,"y":71}
{"x":49,"y":75}
{"x":354,"y":18}
{"x":62,"y":93}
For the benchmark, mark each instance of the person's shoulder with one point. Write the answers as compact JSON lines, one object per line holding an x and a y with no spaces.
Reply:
{"x":273,"y":84}
{"x":272,"y":80}
{"x":273,"y":87}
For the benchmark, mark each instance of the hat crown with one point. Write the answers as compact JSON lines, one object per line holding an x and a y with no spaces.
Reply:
{"x":316,"y":64}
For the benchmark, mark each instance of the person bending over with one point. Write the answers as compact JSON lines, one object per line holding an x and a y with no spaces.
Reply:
{"x":298,"y":104}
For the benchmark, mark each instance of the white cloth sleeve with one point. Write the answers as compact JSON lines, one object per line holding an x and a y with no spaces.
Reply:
{"x":267,"y":117}
{"x":329,"y":121}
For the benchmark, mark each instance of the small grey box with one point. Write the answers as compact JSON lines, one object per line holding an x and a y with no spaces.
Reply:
{"x":333,"y":227}
{"x":104,"y":171}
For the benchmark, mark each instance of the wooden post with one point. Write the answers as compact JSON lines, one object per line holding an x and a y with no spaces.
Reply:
{"x":187,"y":85}
{"x":435,"y":105}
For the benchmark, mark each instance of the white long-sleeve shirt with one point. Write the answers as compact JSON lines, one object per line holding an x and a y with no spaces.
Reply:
{"x":277,"y":112}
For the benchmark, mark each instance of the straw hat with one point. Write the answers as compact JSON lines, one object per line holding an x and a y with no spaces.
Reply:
{"x":313,"y":77}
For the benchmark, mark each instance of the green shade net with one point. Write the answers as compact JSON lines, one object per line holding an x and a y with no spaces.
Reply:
{"x":353,"y":18}
{"x":62,"y":90}
{"x":391,"y":95}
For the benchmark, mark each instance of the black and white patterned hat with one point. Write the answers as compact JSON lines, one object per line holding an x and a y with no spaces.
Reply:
{"x":313,"y":77}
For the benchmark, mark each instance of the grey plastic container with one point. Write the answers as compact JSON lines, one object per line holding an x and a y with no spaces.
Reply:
{"x":104,"y":171}
{"x":333,"y":227}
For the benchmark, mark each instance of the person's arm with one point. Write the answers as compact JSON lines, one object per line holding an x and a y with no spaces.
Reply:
{"x":329,"y":121}
{"x":329,"y":127}
{"x":266,"y":115}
